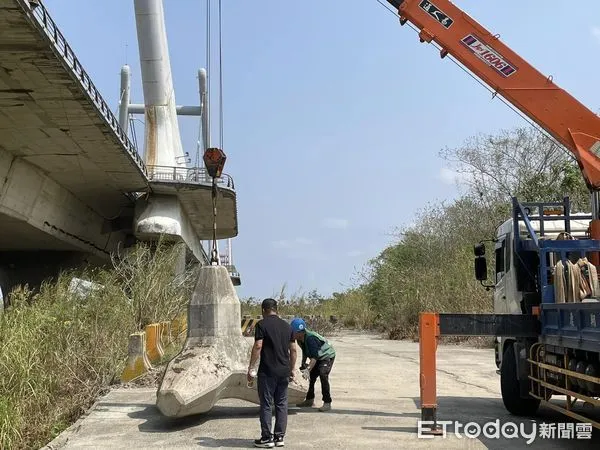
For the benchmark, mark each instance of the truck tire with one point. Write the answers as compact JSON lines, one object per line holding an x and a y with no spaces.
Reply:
{"x":509,"y":385}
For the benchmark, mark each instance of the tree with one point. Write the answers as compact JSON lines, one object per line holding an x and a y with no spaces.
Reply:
{"x":431,"y":265}
{"x":522,"y":163}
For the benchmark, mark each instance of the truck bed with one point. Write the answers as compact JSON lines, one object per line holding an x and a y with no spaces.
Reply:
{"x":573,"y":325}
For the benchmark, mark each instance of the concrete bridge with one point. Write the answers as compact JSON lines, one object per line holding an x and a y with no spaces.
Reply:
{"x":73,"y":187}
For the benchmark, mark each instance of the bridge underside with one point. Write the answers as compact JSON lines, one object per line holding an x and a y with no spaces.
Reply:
{"x":51,"y":114}
{"x":68,"y":172}
{"x":19,"y":235}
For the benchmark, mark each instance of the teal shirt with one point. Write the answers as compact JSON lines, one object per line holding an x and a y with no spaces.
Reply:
{"x":316,"y":347}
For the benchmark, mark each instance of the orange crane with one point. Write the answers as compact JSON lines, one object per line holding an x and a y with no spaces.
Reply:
{"x":552,"y":347}
{"x":534,"y":94}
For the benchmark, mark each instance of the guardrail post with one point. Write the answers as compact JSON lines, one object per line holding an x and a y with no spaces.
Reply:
{"x":154,"y":348}
{"x":165,"y":334}
{"x":137,"y":361}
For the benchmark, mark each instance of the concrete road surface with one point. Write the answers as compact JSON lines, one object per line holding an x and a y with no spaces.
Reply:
{"x":375,"y":405}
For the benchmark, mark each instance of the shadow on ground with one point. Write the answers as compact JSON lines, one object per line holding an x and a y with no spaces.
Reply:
{"x":155,"y":422}
{"x":483,"y":411}
{"x":223,"y":443}
{"x":351,"y":412}
{"x":480,"y":412}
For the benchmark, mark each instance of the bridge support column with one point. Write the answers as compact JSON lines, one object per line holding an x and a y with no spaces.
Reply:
{"x":163,"y":215}
{"x":213,"y":362}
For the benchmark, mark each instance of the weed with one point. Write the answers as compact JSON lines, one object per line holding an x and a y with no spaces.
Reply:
{"x":61,"y":349}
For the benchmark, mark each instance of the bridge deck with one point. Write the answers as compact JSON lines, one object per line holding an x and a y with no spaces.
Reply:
{"x":52,"y":116}
{"x":193,"y":188}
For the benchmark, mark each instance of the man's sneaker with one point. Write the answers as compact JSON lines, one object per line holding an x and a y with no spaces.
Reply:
{"x":325,"y":407}
{"x":279,"y":441}
{"x":264,"y":443}
{"x":306,"y":404}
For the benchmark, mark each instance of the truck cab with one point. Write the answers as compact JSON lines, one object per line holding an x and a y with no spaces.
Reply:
{"x":514,"y":288}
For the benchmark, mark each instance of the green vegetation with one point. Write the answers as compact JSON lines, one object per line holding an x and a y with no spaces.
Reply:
{"x":430,"y":265}
{"x":60,"y":350}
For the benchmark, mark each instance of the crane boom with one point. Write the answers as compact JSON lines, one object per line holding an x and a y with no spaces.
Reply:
{"x":534,"y":94}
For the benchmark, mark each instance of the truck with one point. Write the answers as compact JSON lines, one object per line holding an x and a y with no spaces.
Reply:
{"x":542,"y":270}
{"x":546,"y":319}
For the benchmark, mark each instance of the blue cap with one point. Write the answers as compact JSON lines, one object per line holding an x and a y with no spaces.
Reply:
{"x":298,"y":325}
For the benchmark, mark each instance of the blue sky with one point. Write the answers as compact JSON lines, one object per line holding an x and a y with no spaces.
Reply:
{"x":334,"y":114}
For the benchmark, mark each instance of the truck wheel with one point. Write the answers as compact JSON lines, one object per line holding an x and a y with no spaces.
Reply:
{"x":509,"y":385}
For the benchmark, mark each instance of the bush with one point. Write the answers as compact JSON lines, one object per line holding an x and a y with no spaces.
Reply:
{"x":61,"y":350}
{"x":430,"y":267}
{"x":323,"y":315}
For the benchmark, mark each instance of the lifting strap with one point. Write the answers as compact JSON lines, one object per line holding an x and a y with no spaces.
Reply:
{"x":593,"y":275}
{"x":559,"y":282}
{"x":575,"y":282}
{"x":214,"y":256}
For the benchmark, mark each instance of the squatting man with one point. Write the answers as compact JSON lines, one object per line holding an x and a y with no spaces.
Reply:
{"x":321,"y":355}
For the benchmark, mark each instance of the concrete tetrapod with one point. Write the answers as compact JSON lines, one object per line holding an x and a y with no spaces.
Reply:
{"x":213,"y":362}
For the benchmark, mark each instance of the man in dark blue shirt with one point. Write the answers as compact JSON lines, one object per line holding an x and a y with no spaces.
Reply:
{"x":274,"y":343}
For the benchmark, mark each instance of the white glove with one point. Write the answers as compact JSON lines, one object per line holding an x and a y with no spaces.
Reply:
{"x":305,"y":374}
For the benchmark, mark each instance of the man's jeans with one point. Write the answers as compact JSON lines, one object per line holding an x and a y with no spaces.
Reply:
{"x":321,"y":370}
{"x":273,"y":390}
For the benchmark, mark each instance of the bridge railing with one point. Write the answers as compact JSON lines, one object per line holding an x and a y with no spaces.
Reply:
{"x":226,"y":261}
{"x":64,"y":50}
{"x":194,"y":175}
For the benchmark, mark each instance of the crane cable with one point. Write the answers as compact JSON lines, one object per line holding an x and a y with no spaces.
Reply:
{"x":221,"y":126}
{"x":214,"y":258}
{"x":494,"y":93}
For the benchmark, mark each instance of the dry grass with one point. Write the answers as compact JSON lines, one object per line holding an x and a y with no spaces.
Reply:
{"x":323,"y":315}
{"x":60,"y":351}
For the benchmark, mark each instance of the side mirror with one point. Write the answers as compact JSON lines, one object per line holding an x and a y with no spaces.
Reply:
{"x":480,"y":268}
{"x":479,"y":249}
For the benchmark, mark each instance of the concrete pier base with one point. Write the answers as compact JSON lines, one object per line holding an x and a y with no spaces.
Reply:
{"x":213,"y":362}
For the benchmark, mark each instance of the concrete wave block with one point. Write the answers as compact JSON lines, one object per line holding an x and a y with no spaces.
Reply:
{"x":213,"y":362}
